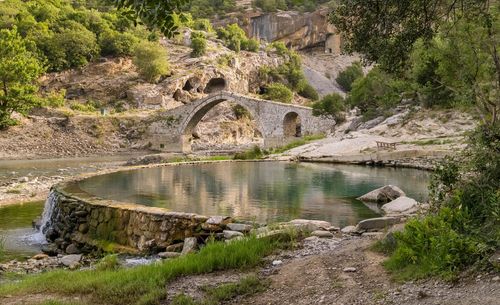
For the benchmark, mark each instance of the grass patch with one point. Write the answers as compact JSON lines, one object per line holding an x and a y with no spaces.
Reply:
{"x":144,"y":284}
{"x":2,"y":247}
{"x":257,"y":153}
{"x":14,"y":191}
{"x":217,"y":295}
{"x":429,"y":142}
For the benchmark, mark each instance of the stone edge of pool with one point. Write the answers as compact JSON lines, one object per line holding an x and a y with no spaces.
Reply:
{"x":87,"y":223}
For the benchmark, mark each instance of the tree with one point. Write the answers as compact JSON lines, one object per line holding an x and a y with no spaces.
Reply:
{"x":151,"y":60}
{"x":349,"y":75}
{"x":386,"y":32}
{"x":330,"y":105}
{"x":158,"y":14}
{"x":19,"y":70}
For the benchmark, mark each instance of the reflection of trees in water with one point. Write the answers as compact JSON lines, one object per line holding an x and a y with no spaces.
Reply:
{"x":260,"y":191}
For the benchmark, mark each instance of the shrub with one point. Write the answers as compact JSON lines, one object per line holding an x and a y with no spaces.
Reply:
{"x":83,"y":107}
{"x":198,"y":44}
{"x":74,"y":46}
{"x":376,"y":92}
{"x":349,"y":75}
{"x":251,"y":45}
{"x":55,"y":99}
{"x":306,"y":90}
{"x":117,"y":44}
{"x":279,"y":93}
{"x":330,"y":105}
{"x":151,"y":60}
{"x":2,"y":247}
{"x":203,"y":24}
{"x":254,"y":153}
{"x":463,"y":227}
{"x":241,"y":112}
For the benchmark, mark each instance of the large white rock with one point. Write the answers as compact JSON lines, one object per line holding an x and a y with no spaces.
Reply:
{"x":376,"y":223}
{"x":311,"y":225}
{"x":383,"y":194}
{"x":71,"y":260}
{"x":401,"y":205}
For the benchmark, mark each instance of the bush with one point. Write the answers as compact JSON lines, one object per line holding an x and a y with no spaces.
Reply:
{"x":151,"y":60}
{"x":241,"y":112}
{"x":463,"y":227}
{"x":203,"y":25}
{"x":252,"y":154}
{"x":279,"y":93}
{"x":83,"y":107}
{"x":198,"y":44}
{"x":330,"y":105}
{"x":73,"y":47}
{"x":349,"y":75}
{"x":306,"y":90}
{"x":117,"y":44}
{"x":376,"y":92}
{"x":251,"y":45}
{"x":55,"y":99}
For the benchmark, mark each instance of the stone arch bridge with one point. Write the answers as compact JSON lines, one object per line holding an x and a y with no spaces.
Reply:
{"x":278,"y":123}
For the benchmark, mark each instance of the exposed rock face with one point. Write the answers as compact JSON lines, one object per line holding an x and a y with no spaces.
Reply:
{"x":297,"y":30}
{"x":311,"y":225}
{"x":382,"y":195}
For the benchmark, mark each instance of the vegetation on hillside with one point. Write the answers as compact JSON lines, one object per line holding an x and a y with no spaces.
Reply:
{"x":440,"y":57}
{"x":289,"y":73}
{"x":19,"y":70}
{"x":236,"y":39}
{"x":283,"y":5}
{"x":330,"y":105}
{"x":349,"y":75}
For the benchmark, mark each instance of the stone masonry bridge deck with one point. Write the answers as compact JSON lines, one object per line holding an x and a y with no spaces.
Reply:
{"x":277,"y":122}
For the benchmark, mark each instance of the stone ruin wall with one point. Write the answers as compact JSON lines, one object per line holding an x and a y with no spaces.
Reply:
{"x":89,"y":224}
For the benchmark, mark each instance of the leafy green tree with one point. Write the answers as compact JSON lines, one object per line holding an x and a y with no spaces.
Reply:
{"x":388,"y":33}
{"x":330,"y":105}
{"x":151,"y":60}
{"x":349,"y":75}
{"x":19,"y":70}
{"x":279,"y":93}
{"x":305,"y":89}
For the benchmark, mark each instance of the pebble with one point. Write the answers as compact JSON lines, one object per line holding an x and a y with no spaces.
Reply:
{"x":496,"y":279}
{"x":349,"y":269}
{"x":277,"y":262}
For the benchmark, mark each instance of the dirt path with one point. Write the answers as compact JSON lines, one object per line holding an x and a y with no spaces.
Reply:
{"x":322,"y":279}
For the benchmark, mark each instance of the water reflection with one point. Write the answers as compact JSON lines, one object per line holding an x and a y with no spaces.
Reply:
{"x":262,"y":191}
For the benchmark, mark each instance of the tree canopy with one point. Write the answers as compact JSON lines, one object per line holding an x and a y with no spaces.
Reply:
{"x":19,"y":69}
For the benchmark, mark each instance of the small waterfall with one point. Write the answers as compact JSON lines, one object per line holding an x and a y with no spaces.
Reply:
{"x":38,"y":238}
{"x":48,"y":210}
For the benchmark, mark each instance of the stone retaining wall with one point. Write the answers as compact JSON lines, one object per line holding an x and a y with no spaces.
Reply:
{"x":84,"y":225}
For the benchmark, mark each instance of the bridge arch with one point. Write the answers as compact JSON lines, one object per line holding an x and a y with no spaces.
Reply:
{"x":292,"y":125}
{"x":189,"y":124}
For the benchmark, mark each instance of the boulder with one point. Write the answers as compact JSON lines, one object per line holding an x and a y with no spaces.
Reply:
{"x":383,"y":194}
{"x":72,"y":249}
{"x":40,"y":256}
{"x":239,"y":227}
{"x":349,"y":230}
{"x":50,"y":249}
{"x":190,"y":245}
{"x":228,"y":234}
{"x":175,"y":247}
{"x":169,"y":254}
{"x":216,"y":223}
{"x":71,"y":260}
{"x":311,"y":225}
{"x":401,"y":205}
{"x":322,"y":234}
{"x":374,"y":224}
{"x":371,"y":123}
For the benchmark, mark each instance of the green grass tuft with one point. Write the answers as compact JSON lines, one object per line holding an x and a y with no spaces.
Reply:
{"x":143,"y":284}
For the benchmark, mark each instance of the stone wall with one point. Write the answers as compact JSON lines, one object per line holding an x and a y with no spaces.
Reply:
{"x":88,"y":224}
